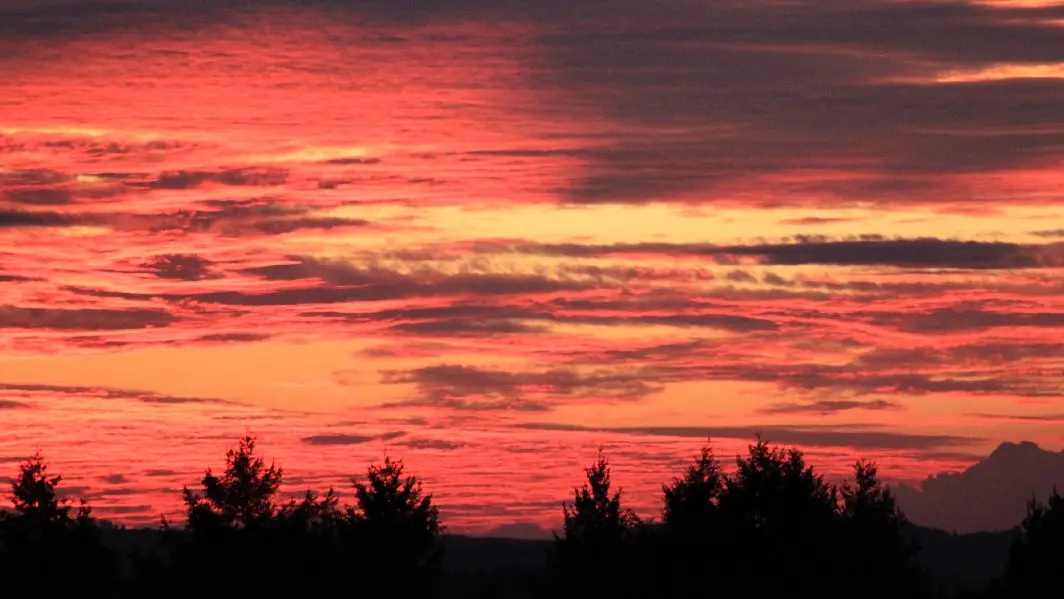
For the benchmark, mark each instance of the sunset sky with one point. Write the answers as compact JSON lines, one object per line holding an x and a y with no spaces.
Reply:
{"x":489,"y":236}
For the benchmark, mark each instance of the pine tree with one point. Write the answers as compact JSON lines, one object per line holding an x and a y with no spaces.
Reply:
{"x":396,"y":527}
{"x":229,"y":541}
{"x":1034,"y":565}
{"x":595,"y":553}
{"x":691,"y":499}
{"x":693,"y":535}
{"x":41,"y":539}
{"x":876,"y":551}
{"x":243,"y":497}
{"x":781,"y":519}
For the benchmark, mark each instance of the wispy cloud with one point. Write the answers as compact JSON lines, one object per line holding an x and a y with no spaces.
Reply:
{"x":909,"y":253}
{"x":348,"y":439}
{"x":838,"y":436}
{"x":435,"y":444}
{"x":68,"y":391}
{"x":32,"y":219}
{"x":829,"y":406}
{"x":268,"y":177}
{"x":88,"y":319}
{"x":471,"y":388}
{"x":181,"y":267}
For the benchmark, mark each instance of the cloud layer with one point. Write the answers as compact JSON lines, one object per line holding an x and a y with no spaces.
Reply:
{"x":485,"y":228}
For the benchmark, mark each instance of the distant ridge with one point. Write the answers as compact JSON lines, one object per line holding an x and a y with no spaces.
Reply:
{"x":990,"y":495}
{"x":528,"y":531}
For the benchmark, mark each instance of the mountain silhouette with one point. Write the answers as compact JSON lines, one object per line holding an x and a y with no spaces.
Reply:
{"x":520,"y":530}
{"x":992,"y":494}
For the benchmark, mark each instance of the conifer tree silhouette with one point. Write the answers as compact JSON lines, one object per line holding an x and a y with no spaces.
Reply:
{"x":41,"y":539}
{"x":243,"y":497}
{"x":595,"y":552}
{"x":691,"y":499}
{"x":876,"y":553}
{"x":396,"y":527}
{"x":1035,"y":558}
{"x":231,"y":523}
{"x":693,"y":535}
{"x":780,"y":510}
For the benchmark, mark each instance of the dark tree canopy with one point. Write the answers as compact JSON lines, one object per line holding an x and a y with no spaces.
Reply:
{"x":772,"y":486}
{"x":596,"y":516}
{"x":41,"y":540}
{"x":772,"y":527}
{"x":694,"y":540}
{"x":238,"y":519}
{"x":232,"y":520}
{"x":1036,"y":559}
{"x":396,"y":525}
{"x":312,"y":512}
{"x":879,"y":554}
{"x":390,"y":500}
{"x":595,"y":552}
{"x":691,"y":499}
{"x":242,"y":497}
{"x":777,"y":507}
{"x":33,"y":493}
{"x":306,"y":545}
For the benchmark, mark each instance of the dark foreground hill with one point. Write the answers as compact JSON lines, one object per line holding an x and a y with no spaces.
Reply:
{"x":964,"y":560}
{"x":505,"y":568}
{"x":955,"y":560}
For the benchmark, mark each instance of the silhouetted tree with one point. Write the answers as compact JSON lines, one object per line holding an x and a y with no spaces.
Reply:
{"x":781,"y":520}
{"x":692,"y":527}
{"x":396,"y":527}
{"x":596,"y":517}
{"x":773,"y":528}
{"x":229,"y":545}
{"x":595,"y":553}
{"x":243,"y":497}
{"x":239,"y":538}
{"x":1036,"y":559}
{"x":41,"y":541}
{"x":306,"y":542}
{"x":691,"y":499}
{"x":313,"y":514}
{"x":875,"y":552}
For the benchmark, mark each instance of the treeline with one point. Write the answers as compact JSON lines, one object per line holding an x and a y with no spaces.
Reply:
{"x":772,"y":527}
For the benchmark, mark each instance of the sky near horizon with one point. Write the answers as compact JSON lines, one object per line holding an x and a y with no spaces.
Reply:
{"x":489,"y":237}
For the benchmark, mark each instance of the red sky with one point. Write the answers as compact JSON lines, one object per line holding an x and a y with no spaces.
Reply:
{"x":490,"y":237}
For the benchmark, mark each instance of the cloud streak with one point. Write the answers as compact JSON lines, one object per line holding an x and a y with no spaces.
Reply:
{"x":801,"y":436}
{"x":470,"y":388}
{"x":70,"y":391}
{"x":901,"y":253}
{"x":348,"y":439}
{"x":86,"y":319}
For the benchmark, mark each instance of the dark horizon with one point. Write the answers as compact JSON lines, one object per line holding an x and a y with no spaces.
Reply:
{"x":1004,"y":481}
{"x":803,"y":531}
